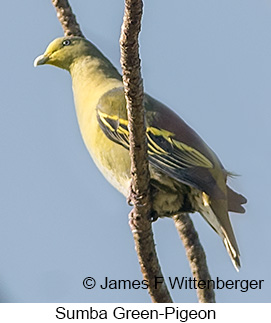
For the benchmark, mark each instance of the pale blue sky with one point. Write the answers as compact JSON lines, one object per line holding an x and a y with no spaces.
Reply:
{"x":60,"y":221}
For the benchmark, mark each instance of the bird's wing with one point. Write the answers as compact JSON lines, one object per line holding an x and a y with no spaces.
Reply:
{"x":115,"y":128}
{"x":166,"y":150}
{"x":173,"y":147}
{"x":179,"y":160}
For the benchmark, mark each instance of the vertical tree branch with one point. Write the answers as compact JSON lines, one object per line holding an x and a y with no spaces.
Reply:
{"x":140,"y":192}
{"x":67,"y":18}
{"x":195,"y":255}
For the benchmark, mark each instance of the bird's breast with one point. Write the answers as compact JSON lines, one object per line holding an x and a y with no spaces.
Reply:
{"x":112,"y":159}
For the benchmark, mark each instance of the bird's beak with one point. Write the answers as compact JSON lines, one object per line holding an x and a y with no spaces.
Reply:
{"x":41,"y":60}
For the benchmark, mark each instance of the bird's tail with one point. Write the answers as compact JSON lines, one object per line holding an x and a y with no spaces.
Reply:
{"x":220,"y":209}
{"x":232,"y":251}
{"x":215,"y":213}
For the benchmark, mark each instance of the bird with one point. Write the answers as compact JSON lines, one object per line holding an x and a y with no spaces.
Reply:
{"x":186,"y":176}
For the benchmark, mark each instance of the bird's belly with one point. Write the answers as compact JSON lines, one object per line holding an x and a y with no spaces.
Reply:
{"x":116,"y":170}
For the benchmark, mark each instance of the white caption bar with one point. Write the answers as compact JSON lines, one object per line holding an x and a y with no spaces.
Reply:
{"x":176,"y":312}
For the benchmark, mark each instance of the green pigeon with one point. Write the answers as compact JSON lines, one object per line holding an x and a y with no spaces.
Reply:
{"x":186,"y":175}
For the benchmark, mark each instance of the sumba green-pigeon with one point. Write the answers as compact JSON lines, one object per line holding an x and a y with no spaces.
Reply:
{"x":186,"y":175}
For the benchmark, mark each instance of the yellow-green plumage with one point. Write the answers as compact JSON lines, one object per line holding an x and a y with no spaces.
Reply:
{"x":186,"y":175}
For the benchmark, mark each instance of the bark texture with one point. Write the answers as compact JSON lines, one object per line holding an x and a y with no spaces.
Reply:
{"x":140,"y":190}
{"x":67,"y":18}
{"x":195,"y":255}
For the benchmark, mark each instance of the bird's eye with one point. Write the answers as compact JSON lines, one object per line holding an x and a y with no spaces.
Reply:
{"x":66,"y":42}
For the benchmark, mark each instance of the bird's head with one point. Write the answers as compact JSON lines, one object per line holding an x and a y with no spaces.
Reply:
{"x":62,"y":52}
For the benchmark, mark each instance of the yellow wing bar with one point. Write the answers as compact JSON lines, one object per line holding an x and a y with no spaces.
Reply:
{"x":162,"y":147}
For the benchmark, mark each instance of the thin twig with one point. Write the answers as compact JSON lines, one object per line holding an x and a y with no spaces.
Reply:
{"x":67,"y":18}
{"x":140,"y":192}
{"x":196,"y":256}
